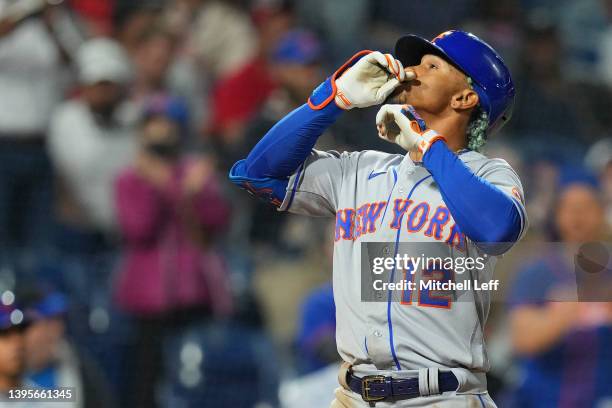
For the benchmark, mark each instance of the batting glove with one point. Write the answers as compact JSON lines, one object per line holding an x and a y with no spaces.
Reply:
{"x":402,"y":125}
{"x":366,"y":79}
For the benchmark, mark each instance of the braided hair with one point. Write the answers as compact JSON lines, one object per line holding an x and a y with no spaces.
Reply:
{"x":477,"y":128}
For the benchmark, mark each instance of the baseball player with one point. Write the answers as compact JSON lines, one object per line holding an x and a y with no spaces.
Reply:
{"x":446,"y":96}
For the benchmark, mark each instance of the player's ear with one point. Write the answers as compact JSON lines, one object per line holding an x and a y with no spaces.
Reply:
{"x":465,"y":99}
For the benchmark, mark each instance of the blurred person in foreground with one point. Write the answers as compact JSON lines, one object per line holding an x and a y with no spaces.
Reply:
{"x":51,"y":360}
{"x":35,"y":46}
{"x":563,"y":345}
{"x":92,"y":138}
{"x":171,"y":212}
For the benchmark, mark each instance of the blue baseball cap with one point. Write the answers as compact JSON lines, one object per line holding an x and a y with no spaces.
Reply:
{"x":298,"y":47}
{"x":53,"y":304}
{"x":572,"y":175}
{"x":167,"y":106}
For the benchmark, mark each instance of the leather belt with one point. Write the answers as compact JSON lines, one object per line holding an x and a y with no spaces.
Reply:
{"x":379,"y":388}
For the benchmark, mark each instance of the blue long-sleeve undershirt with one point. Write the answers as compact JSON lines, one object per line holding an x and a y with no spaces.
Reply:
{"x":285,"y":147}
{"x":482,"y":211}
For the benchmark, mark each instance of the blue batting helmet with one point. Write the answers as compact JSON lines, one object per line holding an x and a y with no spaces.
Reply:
{"x":475,"y":58}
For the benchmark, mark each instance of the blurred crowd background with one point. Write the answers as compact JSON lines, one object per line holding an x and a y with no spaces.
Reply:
{"x":131,"y":269}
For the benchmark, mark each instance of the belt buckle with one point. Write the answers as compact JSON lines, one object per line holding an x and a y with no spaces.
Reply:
{"x":365,"y":387}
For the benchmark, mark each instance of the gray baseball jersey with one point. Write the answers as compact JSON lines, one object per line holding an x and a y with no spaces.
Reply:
{"x":380,"y":197}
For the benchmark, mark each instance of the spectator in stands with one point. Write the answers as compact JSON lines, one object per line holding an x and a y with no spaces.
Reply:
{"x":91,"y":140}
{"x":500,"y":23}
{"x":541,"y":189}
{"x":316,"y":338}
{"x":170,"y":213}
{"x":51,"y":360}
{"x":316,"y":352}
{"x":542,"y":95}
{"x":95,"y":15}
{"x":222,"y":35}
{"x":12,"y":350}
{"x":152,"y":59}
{"x":161,"y":67}
{"x":404,"y":15}
{"x":273,"y":20}
{"x":581,"y":28}
{"x":34,"y":51}
{"x":342,"y":23}
{"x":132,"y":20}
{"x":295,"y":67}
{"x":226,"y":40}
{"x":599,"y":160}
{"x":563,"y":344}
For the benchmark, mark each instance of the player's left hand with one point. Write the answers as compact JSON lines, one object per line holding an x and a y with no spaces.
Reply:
{"x":402,"y":125}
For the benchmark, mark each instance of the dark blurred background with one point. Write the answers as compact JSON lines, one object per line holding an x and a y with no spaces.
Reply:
{"x":146,"y":280}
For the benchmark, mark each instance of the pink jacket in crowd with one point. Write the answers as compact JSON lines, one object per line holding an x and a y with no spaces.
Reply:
{"x":169,"y":260}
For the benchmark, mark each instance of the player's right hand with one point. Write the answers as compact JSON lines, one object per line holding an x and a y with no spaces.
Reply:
{"x":401,"y":124}
{"x":369,"y":81}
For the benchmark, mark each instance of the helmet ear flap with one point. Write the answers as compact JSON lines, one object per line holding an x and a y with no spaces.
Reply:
{"x":502,"y":120}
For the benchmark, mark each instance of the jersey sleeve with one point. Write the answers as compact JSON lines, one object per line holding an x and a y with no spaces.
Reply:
{"x":499,"y":173}
{"x":314,"y":188}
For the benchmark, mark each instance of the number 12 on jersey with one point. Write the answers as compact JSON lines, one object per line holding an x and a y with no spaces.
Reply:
{"x":427,"y":291}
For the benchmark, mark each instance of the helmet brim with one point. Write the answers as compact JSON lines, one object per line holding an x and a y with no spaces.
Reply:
{"x":410,"y":49}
